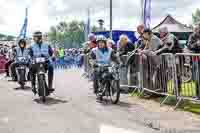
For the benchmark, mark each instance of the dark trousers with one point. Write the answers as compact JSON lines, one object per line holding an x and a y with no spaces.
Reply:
{"x":49,"y":68}
{"x":196,"y":76}
{"x":13,"y":68}
{"x":7,"y":67}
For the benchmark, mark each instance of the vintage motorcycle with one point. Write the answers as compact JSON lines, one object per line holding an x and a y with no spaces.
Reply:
{"x":108,"y":82}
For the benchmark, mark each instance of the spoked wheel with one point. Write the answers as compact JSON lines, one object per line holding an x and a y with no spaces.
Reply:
{"x":115,"y":91}
{"x":99,"y":92}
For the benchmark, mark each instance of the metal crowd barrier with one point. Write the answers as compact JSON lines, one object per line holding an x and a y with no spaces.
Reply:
{"x":168,"y":75}
{"x":123,"y":72}
{"x":87,"y":66}
{"x":188,"y":71}
{"x":154,"y":74}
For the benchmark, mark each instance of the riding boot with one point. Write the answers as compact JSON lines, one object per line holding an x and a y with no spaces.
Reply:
{"x":33,"y":78}
{"x":50,"y":84}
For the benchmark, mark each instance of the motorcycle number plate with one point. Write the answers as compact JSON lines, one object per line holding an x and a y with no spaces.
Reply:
{"x":39,"y":60}
{"x":21,"y":58}
{"x":110,"y":69}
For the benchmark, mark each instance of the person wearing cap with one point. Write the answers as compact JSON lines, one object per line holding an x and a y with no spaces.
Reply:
{"x":20,"y":51}
{"x":90,"y":44}
{"x":169,"y":42}
{"x":40,"y":49}
{"x":102,"y":55}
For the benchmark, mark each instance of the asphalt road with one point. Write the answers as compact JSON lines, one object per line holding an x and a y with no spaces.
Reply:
{"x":71,"y":109}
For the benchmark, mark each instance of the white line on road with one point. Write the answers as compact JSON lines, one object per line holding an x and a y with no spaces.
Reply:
{"x":111,"y":129}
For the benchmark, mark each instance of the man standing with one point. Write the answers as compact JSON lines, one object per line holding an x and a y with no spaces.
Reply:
{"x":140,"y":43}
{"x":194,"y":46}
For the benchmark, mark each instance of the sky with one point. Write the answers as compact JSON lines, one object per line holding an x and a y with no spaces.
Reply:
{"x":126,"y":13}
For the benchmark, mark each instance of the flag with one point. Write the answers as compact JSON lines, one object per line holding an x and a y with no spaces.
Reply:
{"x":87,"y":26}
{"x":88,"y":22}
{"x":147,"y":13}
{"x":24,"y":27}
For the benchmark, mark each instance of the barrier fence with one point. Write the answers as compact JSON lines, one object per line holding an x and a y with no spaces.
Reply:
{"x":168,"y":74}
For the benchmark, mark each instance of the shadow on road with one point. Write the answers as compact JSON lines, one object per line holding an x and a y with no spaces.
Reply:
{"x":50,"y":101}
{"x":124,"y":104}
{"x":26,"y":88}
{"x":107,"y":102}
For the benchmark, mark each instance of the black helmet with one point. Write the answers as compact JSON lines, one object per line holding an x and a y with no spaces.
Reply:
{"x":38,"y":34}
{"x":22,"y":41}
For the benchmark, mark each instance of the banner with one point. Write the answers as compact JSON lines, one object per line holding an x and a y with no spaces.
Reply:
{"x":24,"y":27}
{"x":147,"y":13}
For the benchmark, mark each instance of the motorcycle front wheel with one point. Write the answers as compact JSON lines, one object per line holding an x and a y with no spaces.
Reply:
{"x":115,"y":91}
{"x":42,"y":87}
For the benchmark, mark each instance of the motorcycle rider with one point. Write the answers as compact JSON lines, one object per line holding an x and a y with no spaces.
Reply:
{"x":102,"y":55}
{"x":20,"y":51}
{"x":40,"y":49}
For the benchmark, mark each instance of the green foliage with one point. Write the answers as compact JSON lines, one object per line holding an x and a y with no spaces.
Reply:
{"x":196,"y":16}
{"x":67,"y":34}
{"x":6,"y":37}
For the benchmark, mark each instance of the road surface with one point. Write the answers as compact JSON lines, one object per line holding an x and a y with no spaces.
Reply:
{"x":71,"y":109}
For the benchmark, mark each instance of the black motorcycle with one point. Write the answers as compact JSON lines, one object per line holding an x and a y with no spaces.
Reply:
{"x":22,"y":71}
{"x":41,"y":84}
{"x":107,"y":82}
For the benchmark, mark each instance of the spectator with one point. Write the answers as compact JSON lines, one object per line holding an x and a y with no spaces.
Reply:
{"x":140,"y":43}
{"x":10,"y":59}
{"x":125,"y":45}
{"x":169,"y":42}
{"x":151,"y":43}
{"x":111,"y":44}
{"x":90,"y":44}
{"x":194,"y":46}
{"x":194,"y":40}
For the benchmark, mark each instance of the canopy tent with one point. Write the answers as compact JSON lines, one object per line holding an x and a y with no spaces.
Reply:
{"x":180,"y":30}
{"x":172,"y":25}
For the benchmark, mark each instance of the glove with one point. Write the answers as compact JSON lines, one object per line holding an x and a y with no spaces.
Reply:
{"x":122,"y":65}
{"x":53,"y":59}
{"x":95,"y":65}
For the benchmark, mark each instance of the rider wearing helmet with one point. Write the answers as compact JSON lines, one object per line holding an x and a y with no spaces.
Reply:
{"x":20,"y":51}
{"x":102,"y":55}
{"x":40,"y":49}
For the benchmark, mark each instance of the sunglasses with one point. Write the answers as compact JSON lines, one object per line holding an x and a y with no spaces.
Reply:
{"x":145,"y":38}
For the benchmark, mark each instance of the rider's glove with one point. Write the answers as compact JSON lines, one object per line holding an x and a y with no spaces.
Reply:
{"x":95,"y":65}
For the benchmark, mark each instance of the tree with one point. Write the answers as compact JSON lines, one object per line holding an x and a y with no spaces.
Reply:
{"x":68,"y":35}
{"x":94,"y":29}
{"x":196,"y":16}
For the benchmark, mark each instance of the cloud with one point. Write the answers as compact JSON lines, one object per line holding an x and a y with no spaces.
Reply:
{"x":126,"y":13}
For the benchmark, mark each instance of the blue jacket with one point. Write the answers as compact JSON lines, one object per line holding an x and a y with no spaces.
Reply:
{"x":37,"y":50}
{"x":19,"y":52}
{"x":102,"y":57}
